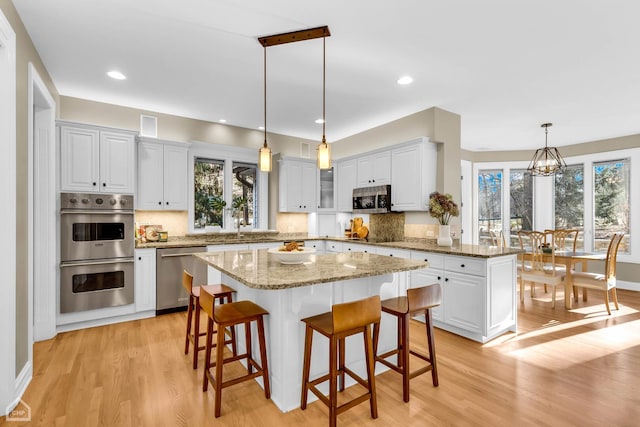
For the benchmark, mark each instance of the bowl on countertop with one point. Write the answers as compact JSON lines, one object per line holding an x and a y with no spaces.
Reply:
{"x":298,"y":256}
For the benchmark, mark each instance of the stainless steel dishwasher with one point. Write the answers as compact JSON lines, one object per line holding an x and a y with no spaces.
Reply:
{"x":170,"y":295}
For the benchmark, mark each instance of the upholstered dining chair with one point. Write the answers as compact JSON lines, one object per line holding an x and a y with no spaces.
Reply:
{"x":606,"y":281}
{"x":534,"y":268}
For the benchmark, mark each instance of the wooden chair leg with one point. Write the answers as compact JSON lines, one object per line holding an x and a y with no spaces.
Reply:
{"x":333,"y":381}
{"x":432,"y":347}
{"x":196,"y":334}
{"x":404,"y":355}
{"x":615,"y":298}
{"x":247,"y":338}
{"x":308,"y":339}
{"x":207,"y":354}
{"x":341,"y":363}
{"x":371,"y":375}
{"x":189,"y":316}
{"x":263,"y":358}
{"x":218,"y":378}
{"x":606,"y":301}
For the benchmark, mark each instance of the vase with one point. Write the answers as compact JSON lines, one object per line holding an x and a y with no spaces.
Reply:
{"x":444,"y":235}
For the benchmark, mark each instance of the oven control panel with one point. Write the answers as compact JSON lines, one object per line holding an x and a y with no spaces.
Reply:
{"x":86,"y":201}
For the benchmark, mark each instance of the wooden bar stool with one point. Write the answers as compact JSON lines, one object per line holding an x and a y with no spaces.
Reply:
{"x":418,"y":300}
{"x":230,"y":315}
{"x":344,"y":320}
{"x":220,"y":292}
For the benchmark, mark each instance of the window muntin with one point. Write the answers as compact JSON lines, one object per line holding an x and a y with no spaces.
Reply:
{"x":569,"y":201}
{"x":611,"y":202}
{"x":489,"y":204}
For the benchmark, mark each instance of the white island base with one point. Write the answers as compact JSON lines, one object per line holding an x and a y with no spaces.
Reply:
{"x":285,"y":332}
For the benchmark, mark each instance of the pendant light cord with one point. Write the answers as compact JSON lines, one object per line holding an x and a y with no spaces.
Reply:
{"x":324,"y":72}
{"x":265,"y":96}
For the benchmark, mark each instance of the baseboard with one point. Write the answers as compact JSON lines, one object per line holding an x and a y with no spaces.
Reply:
{"x":630,"y":286}
{"x":22,"y":382}
{"x":106,"y":321}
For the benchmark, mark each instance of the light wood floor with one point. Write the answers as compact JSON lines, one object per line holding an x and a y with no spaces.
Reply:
{"x":579,"y":368}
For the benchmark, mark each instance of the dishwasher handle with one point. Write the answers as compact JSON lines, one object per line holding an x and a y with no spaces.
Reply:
{"x":180,"y":254}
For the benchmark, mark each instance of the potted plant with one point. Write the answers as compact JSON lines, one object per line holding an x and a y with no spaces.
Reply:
{"x":443,"y":208}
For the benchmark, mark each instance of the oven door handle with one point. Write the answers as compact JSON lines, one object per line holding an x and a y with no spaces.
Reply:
{"x":95,"y":262}
{"x":95,"y":212}
{"x":181,"y":254}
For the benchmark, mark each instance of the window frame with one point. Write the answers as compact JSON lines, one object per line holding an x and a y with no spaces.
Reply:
{"x":229,"y":154}
{"x":543,"y":216}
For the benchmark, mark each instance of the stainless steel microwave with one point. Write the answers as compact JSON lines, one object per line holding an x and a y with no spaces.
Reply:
{"x":375,"y":199}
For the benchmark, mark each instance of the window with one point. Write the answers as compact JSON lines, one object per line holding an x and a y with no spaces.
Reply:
{"x":489,"y":204}
{"x":569,"y":201}
{"x":244,"y":190}
{"x":208,"y":181}
{"x":611,"y":186}
{"x":521,"y":204}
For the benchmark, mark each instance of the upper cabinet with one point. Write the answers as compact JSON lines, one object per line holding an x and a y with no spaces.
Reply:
{"x":95,"y":159}
{"x":346,"y":182}
{"x":374,"y":169}
{"x":297,"y":185}
{"x":413,"y":175}
{"x":162,"y":175}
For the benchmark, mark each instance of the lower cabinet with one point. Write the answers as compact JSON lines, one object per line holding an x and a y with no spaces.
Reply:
{"x":478,"y":294}
{"x":145,"y":279}
{"x":318,"y":245}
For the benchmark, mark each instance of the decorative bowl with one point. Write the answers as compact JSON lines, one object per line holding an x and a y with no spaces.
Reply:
{"x":299,"y":256}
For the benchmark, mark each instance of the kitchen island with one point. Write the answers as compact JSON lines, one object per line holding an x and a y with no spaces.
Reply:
{"x":293,"y":292}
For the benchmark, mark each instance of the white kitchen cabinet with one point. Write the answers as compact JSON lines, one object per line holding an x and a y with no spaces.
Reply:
{"x":358,"y":247}
{"x":346,"y":182}
{"x":333,"y":247}
{"x":318,"y":245}
{"x":145,"y":279}
{"x":374,"y":169}
{"x":95,"y":159}
{"x":265,"y":245}
{"x":400,"y":253}
{"x":478,"y":294}
{"x":162,"y":175}
{"x":428,"y":276}
{"x":413,"y":175}
{"x":296,"y":185}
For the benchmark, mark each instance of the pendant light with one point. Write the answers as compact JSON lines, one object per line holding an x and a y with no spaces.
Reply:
{"x":264,"y":153}
{"x":546,"y":161}
{"x":324,"y":150}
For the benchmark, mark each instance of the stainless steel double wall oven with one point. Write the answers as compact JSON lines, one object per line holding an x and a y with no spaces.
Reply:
{"x":97,"y":251}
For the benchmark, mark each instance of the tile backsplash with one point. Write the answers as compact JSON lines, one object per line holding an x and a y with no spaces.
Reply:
{"x":175,"y":222}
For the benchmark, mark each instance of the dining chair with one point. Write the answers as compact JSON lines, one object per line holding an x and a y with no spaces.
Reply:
{"x":565,"y":239}
{"x":606,"y":281}
{"x":497,"y":238}
{"x":536,"y":266}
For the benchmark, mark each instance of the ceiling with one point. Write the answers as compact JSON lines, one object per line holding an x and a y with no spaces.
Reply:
{"x":506,"y":67}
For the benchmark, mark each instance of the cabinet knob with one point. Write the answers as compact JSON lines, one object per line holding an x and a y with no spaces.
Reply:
{"x":94,"y":184}
{"x":160,"y":203}
{"x":439,"y":278}
{"x":366,"y":252}
{"x":167,"y":203}
{"x":348,"y":249}
{"x":390,"y":254}
{"x":446,"y":279}
{"x":104,"y":184}
{"x":461,"y":265}
{"x":426,"y":260}
{"x":139,"y":258}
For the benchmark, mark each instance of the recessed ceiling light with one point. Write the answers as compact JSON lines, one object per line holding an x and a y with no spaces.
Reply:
{"x":116,"y":75}
{"x":405,"y":80}
{"x":319,"y":121}
{"x":223,"y":120}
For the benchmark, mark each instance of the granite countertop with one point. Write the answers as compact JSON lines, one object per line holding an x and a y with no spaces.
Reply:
{"x":415,"y":244}
{"x":260,"y":270}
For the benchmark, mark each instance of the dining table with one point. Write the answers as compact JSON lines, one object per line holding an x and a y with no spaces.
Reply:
{"x":570,"y":259}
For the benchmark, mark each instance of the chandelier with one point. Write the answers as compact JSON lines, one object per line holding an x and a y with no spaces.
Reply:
{"x":546,"y":161}
{"x":324,"y":150}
